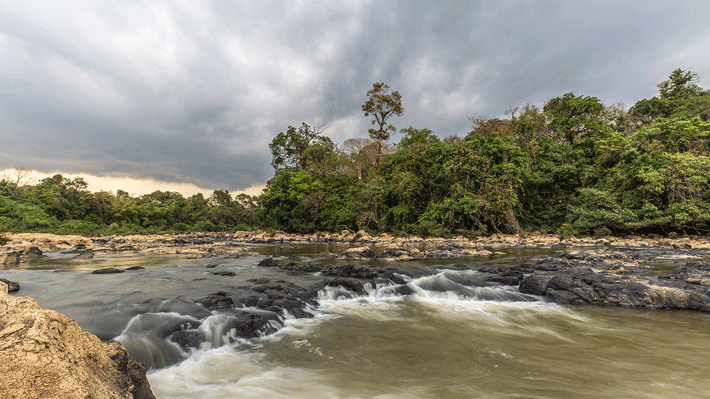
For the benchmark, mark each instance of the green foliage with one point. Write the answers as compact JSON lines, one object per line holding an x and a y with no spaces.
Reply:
{"x":64,"y":206}
{"x":19,"y":216}
{"x":679,"y":98}
{"x":680,"y":84}
{"x":571,"y":116}
{"x":566,"y":231}
{"x":412,"y":136}
{"x":287,"y":148}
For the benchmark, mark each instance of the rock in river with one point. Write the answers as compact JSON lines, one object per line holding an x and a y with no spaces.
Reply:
{"x":11,"y":285}
{"x":108,"y":270}
{"x":43,"y":354}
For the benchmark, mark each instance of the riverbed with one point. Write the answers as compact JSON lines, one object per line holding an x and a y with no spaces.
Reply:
{"x":450,"y":336}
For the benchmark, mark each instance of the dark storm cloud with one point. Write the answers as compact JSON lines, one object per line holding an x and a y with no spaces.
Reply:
{"x":195,"y":92}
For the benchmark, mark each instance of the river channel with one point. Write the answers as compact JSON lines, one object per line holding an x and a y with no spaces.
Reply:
{"x":450,"y":337}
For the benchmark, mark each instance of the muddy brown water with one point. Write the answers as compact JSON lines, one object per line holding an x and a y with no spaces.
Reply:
{"x":450,"y":339}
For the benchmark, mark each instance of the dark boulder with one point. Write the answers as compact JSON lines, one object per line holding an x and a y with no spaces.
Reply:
{"x":535,"y":284}
{"x":350,"y":270}
{"x":32,"y":253}
{"x":301,"y":267}
{"x":249,"y":325}
{"x":393,"y":253}
{"x":216,"y":300}
{"x":188,"y":338}
{"x":561,"y":282}
{"x":280,"y":289}
{"x":134,"y":371}
{"x":268,"y":262}
{"x":508,"y":277}
{"x":349,"y":284}
{"x":693,"y":273}
{"x":11,"y":285}
{"x":135,"y":268}
{"x":77,"y":248}
{"x":224,"y":273}
{"x":563,"y":298}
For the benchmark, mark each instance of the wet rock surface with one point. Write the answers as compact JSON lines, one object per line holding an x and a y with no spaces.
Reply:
{"x":217,"y":300}
{"x":611,"y":277}
{"x":11,"y":285}
{"x":256,"y":309}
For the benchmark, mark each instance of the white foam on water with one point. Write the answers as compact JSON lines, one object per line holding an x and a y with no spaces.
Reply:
{"x":380,"y":303}
{"x":228,"y":373}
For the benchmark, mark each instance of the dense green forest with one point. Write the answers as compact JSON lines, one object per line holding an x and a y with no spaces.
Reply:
{"x":574,"y":166}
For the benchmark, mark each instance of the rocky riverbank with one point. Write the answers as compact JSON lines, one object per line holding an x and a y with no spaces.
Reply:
{"x":25,"y":247}
{"x":43,"y":354}
{"x":613,"y":278}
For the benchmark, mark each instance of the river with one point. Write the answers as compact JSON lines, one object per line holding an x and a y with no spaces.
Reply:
{"x":452,"y":337}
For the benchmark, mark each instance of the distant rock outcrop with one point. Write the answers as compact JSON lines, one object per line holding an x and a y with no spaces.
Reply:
{"x":43,"y":354}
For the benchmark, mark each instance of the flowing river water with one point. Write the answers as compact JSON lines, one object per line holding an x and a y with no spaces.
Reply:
{"x":452,"y":337}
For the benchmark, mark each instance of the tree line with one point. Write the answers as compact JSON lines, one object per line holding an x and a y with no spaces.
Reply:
{"x":65,"y":206}
{"x":573,"y":166}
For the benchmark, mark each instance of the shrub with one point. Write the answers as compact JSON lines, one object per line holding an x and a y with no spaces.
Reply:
{"x":566,"y":231}
{"x":4,"y":238}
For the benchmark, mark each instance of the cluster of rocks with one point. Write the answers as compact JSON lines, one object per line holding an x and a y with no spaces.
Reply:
{"x":536,"y":240}
{"x":255,"y":306}
{"x":408,"y":252}
{"x":43,"y":354}
{"x":78,"y":251}
{"x":25,"y":247}
{"x":610,"y":278}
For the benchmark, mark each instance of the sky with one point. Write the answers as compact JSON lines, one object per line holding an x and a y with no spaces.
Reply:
{"x":188,"y":94}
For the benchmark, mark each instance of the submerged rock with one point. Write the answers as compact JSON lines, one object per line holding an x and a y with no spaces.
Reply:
{"x":87,"y":254}
{"x":108,"y":270}
{"x":248,"y":325}
{"x":43,"y":354}
{"x":224,"y":273}
{"x":188,"y":338}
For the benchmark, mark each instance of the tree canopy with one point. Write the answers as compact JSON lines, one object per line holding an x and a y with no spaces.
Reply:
{"x":382,"y":105}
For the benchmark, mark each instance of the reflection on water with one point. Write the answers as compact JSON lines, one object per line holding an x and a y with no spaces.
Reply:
{"x":452,"y":337}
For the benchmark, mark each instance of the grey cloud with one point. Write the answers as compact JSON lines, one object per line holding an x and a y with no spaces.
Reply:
{"x":193,"y":92}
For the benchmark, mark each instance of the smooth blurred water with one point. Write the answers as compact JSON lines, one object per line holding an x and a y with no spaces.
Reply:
{"x":454,"y":337}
